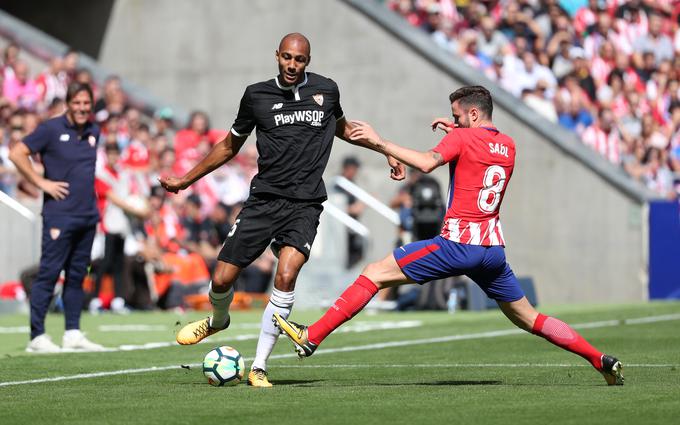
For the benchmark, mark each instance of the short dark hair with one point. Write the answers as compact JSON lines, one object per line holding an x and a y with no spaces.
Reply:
{"x":194,"y":114}
{"x":112,"y":147}
{"x":674,"y":105}
{"x":603,"y":111}
{"x":351,"y":161}
{"x":474,"y":96}
{"x":75,"y":88}
{"x":194,"y":199}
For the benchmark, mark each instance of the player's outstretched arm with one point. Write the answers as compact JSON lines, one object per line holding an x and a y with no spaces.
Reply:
{"x":222,"y":152}
{"x":423,"y":161}
{"x":344,"y":129}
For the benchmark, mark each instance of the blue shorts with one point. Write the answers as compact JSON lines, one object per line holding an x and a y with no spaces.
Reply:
{"x":439,"y":258}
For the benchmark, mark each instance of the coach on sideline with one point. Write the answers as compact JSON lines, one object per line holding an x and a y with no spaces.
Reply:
{"x":67,"y":145}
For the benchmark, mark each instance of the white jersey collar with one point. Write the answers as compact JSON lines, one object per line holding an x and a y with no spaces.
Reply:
{"x":295,"y":89}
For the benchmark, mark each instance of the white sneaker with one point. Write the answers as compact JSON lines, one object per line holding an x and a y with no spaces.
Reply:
{"x":95,"y":306}
{"x":74,"y":339}
{"x":42,"y":344}
{"x":118,"y":306}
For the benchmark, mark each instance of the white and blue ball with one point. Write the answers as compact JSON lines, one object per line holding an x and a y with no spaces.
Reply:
{"x":223,"y":366}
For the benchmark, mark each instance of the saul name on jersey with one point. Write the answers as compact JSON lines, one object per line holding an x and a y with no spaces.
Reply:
{"x":499,"y":149}
{"x":313,"y":118}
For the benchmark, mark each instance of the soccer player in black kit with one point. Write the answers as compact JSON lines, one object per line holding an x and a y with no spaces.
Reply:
{"x":296,"y":115}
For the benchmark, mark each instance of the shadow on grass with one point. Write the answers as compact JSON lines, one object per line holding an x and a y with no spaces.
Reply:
{"x":298,"y":382}
{"x":331,"y":383}
{"x":438,"y":383}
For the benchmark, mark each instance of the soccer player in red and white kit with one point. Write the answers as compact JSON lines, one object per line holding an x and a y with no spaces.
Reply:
{"x":481,"y":160}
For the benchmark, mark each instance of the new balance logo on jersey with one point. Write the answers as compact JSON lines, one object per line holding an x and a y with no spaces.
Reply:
{"x":277,"y":106}
{"x":314,"y":118}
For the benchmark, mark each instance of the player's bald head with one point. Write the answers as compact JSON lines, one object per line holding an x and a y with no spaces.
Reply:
{"x":295,"y":39}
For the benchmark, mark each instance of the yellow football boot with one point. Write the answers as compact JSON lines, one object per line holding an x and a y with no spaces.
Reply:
{"x":296,"y":333}
{"x":258,"y":378}
{"x":194,"y":332}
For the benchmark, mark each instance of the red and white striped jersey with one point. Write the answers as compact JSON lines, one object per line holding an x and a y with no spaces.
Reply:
{"x":136,"y":155}
{"x":631,"y":30}
{"x":600,"y":70}
{"x":606,"y":144}
{"x":481,"y":161}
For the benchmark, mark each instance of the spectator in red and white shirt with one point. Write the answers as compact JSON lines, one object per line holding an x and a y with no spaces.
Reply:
{"x":189,"y":139}
{"x":111,"y":186}
{"x":632,"y":23}
{"x":603,"y":64}
{"x":604,"y":137}
{"x":586,"y":16}
{"x":601,"y":32}
{"x":136,"y":155}
{"x":52,"y":82}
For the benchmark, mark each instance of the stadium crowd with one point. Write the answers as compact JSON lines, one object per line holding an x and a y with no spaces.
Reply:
{"x":155,"y":248}
{"x":608,"y":70}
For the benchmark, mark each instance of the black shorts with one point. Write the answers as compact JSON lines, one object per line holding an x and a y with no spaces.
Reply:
{"x":267,"y":219}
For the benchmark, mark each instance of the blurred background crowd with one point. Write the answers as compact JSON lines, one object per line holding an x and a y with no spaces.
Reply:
{"x":608,"y":70}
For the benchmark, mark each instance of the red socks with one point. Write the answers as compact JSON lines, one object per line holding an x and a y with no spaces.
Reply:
{"x":355,"y":298}
{"x":562,"y":335}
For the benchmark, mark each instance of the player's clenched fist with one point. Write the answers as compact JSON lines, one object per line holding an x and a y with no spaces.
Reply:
{"x":397,"y":169}
{"x":172,"y":184}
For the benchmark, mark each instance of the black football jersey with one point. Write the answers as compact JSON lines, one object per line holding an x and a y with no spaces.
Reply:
{"x":295,"y":128}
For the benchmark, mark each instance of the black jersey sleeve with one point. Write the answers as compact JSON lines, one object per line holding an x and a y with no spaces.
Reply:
{"x":245,"y":119}
{"x":337,"y":109}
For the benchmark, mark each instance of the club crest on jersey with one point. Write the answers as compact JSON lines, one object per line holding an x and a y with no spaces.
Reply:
{"x":318,"y":98}
{"x":92,"y":140}
{"x":54,"y":233}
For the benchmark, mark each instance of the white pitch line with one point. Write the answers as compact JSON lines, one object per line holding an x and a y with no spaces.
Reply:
{"x":14,"y":330}
{"x":450,"y":338}
{"x":358,"y":327}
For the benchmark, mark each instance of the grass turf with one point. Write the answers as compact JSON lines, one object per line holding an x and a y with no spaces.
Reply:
{"x":494,"y":379}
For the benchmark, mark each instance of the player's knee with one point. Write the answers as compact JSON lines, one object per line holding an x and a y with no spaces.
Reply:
{"x":375,"y":273}
{"x":222,"y":279}
{"x":284,"y":280}
{"x":520,"y":312}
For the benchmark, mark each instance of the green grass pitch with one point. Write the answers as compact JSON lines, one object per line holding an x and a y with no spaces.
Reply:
{"x":468,"y":368}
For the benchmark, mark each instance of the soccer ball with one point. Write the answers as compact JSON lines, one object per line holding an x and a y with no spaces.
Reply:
{"x":223,"y":366}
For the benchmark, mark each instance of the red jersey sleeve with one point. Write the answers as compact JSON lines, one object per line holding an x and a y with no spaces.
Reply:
{"x":450,"y":147}
{"x":101,"y":187}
